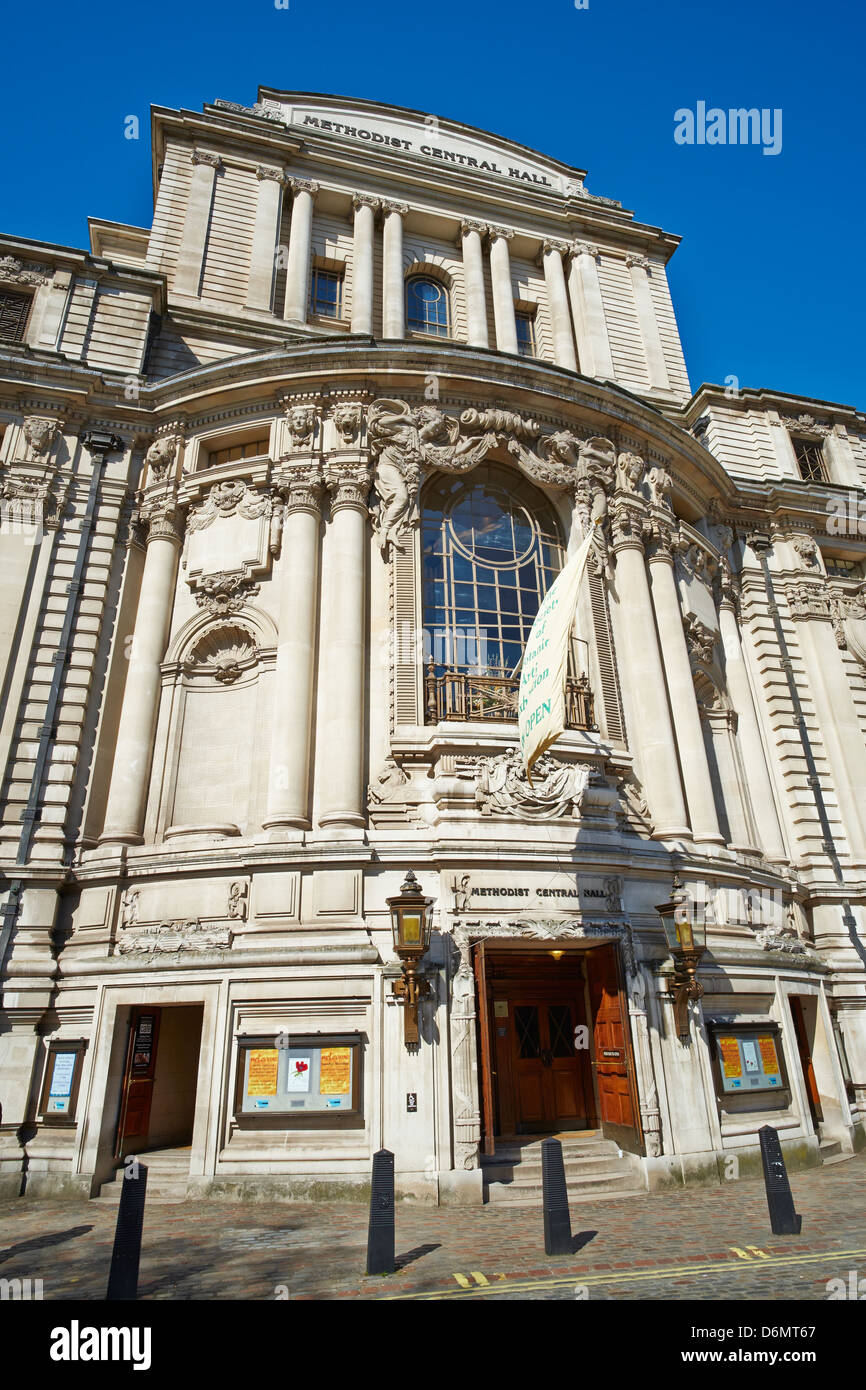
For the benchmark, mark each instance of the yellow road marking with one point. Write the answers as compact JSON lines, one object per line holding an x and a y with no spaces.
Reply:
{"x":478,"y":1277}
{"x":737,"y":1251}
{"x":755,"y":1251}
{"x":619,"y":1276}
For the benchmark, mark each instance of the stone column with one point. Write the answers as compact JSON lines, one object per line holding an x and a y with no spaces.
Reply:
{"x":292,"y":720}
{"x":836,"y":714}
{"x":650,"y":725}
{"x":365,"y":208}
{"x":593,"y":348}
{"x":557,"y":297}
{"x":340,"y":764}
{"x":649,"y":329}
{"x":722,"y":732}
{"x":127,"y":794}
{"x":681,"y":689}
{"x":260,"y":288}
{"x":393,"y":295}
{"x":471,"y":234}
{"x":300,"y":244}
{"x":736,"y":675}
{"x":193,"y":242}
{"x":503,"y":291}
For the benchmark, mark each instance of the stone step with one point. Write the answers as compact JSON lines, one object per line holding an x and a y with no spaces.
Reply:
{"x":162,"y":1189}
{"x":501,"y":1170}
{"x":591,"y":1186}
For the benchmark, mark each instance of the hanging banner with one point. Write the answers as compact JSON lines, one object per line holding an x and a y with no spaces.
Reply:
{"x":541,"y":700}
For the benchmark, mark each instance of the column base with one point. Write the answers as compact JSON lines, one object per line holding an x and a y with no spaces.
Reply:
{"x":343,"y":818}
{"x":672,"y":832}
{"x":710,"y":839}
{"x":279,"y":832}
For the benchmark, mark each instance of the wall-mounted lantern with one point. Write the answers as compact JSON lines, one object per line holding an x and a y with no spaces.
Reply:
{"x":411,"y":925}
{"x":686,"y":933}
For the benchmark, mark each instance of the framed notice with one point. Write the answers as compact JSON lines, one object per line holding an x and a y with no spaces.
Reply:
{"x":748,"y":1061}
{"x":299,"y":1081}
{"x":62,"y":1080}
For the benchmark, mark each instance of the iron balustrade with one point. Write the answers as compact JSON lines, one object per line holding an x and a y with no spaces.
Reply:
{"x":463,"y":695}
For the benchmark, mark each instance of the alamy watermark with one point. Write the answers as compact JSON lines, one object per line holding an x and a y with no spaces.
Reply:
{"x":738,"y":126}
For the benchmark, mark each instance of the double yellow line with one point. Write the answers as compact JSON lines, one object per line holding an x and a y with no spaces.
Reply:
{"x":631,"y":1276}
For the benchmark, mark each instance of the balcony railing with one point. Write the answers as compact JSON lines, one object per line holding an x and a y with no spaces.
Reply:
{"x":462,"y":695}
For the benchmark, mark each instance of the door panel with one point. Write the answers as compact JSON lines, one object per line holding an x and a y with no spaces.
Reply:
{"x":138,"y":1080}
{"x":802,"y":1035}
{"x":550,"y":1092}
{"x":488,"y":1137}
{"x":613,"y":1058}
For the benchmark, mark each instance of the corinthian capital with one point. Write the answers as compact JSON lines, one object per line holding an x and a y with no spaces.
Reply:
{"x":506,"y":233}
{"x":267,"y":171}
{"x":164,"y":519}
{"x":303,"y":186}
{"x":301,"y":489}
{"x":206,"y":157}
{"x":627,"y":519}
{"x":584,"y":248}
{"x":349,"y":487}
{"x":642,"y":262}
{"x":400,"y":208}
{"x":469,"y":224}
{"x":365,"y":200}
{"x":554,"y":244}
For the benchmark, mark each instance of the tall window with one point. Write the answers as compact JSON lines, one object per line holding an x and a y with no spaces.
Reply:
{"x":14,"y":310}
{"x":810,"y":460}
{"x":525,"y":320}
{"x":492,"y":549}
{"x":326,"y":293}
{"x":427,"y":306}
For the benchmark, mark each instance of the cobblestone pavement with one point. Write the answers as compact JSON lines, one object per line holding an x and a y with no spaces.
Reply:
{"x":700,"y":1243}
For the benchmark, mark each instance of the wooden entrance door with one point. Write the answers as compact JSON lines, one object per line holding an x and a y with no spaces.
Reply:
{"x":549,"y":1092}
{"x":613,"y":1064}
{"x":802,"y":1035}
{"x":138,"y":1079}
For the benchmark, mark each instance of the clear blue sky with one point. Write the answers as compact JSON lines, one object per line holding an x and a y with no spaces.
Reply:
{"x":770,"y":282}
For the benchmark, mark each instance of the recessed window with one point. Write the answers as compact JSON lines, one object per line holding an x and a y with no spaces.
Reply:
{"x":427,"y":306}
{"x":810,"y":460}
{"x":843,"y":569}
{"x":491,"y":547}
{"x":326,"y":293}
{"x":14,"y":312}
{"x":525,"y":320}
{"x":252,"y":449}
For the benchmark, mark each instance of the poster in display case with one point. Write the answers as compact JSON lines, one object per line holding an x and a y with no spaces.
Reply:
{"x":748,"y":1060}
{"x":299,"y":1079}
{"x":62,"y":1080}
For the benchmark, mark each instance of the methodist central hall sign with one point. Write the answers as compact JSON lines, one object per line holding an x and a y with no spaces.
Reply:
{"x":433,"y":151}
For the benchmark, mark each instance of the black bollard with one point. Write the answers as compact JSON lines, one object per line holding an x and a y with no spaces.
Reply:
{"x":557,"y":1222}
{"x":783,"y":1218}
{"x":380,"y":1236}
{"x":123,"y":1275}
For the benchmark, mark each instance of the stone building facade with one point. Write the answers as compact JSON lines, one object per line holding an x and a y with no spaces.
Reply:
{"x":284,"y":477}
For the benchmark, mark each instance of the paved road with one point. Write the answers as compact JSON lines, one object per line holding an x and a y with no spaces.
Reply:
{"x":709,"y":1244}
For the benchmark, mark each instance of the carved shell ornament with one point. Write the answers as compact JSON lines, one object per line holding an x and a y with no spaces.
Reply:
{"x":224,"y":653}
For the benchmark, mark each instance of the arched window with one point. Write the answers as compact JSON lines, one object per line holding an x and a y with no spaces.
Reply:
{"x":492,"y":547}
{"x":426,"y":306}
